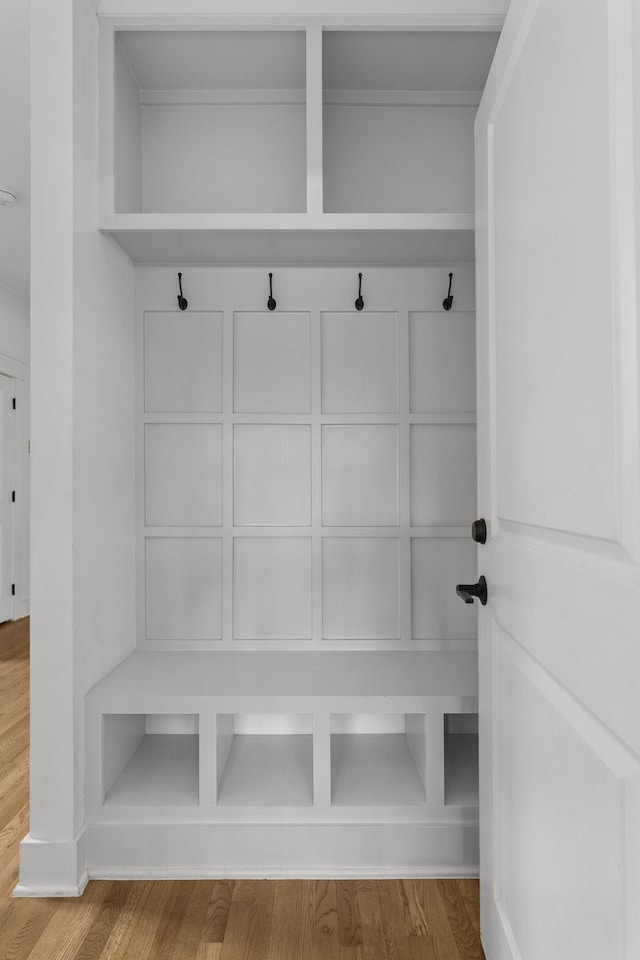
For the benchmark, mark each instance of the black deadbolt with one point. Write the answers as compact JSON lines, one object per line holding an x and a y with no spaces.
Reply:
{"x":479,"y":531}
{"x":467,"y":591}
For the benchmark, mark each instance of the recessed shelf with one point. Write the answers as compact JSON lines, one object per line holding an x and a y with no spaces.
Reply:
{"x":398,"y":117}
{"x":378,"y":769}
{"x":265,"y":769}
{"x":209,"y":120}
{"x":461,"y":760}
{"x":154,"y":769}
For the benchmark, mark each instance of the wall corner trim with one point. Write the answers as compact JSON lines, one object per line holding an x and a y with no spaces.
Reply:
{"x":52,"y":868}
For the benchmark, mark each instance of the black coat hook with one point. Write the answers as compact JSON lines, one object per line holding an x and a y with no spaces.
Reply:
{"x":447,"y":303}
{"x":271,"y":304}
{"x":359,"y":301}
{"x":183,"y":303}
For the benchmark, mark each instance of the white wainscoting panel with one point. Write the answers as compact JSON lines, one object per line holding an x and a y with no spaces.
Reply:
{"x":183,"y":362}
{"x":272,"y":362}
{"x":361,"y":590}
{"x":183,"y":474}
{"x":359,"y":362}
{"x":184,"y":588}
{"x":272,"y":475}
{"x":442,"y":361}
{"x":443,"y":474}
{"x":360,"y":475}
{"x":272,"y":588}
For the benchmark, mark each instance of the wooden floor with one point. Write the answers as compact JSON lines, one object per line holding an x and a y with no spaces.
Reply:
{"x":210,"y":919}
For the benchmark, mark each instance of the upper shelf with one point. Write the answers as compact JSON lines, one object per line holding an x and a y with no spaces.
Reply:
{"x":207,"y":133}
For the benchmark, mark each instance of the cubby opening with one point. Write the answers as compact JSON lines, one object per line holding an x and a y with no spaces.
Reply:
{"x":210,"y":121}
{"x":265,"y":760}
{"x":461,"y":759}
{"x":398,"y":115}
{"x":150,"y":759}
{"x":378,"y":760}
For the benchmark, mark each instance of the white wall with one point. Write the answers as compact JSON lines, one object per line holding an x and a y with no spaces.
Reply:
{"x":14,"y":361}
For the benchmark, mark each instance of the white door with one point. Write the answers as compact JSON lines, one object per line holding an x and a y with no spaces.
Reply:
{"x":7,"y":394}
{"x":559,"y":484}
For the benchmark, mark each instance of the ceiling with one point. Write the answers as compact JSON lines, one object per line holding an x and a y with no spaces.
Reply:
{"x":14,"y":143}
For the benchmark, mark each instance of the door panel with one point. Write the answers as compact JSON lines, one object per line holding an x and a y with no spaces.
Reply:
{"x":558,"y":484}
{"x":558,"y":829}
{"x":553,"y":291}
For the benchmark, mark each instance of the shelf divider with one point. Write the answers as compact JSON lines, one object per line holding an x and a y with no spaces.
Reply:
{"x":322,"y":759}
{"x":315,"y":202}
{"x":434,"y":786}
{"x":208,"y":757}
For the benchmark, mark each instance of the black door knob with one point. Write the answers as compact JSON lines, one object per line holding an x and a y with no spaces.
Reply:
{"x":467,"y":591}
{"x":479,"y":531}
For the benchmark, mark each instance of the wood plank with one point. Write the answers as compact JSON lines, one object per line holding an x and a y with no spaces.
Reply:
{"x":291,"y":933}
{"x":24,"y":927}
{"x":100,"y":930}
{"x":146,"y":920}
{"x":249,"y":921}
{"x":209,"y":951}
{"x":414,"y":911}
{"x":189,"y":934}
{"x":461,"y":927}
{"x":69,"y":925}
{"x":122,"y":932}
{"x":394,"y":926}
{"x":349,"y":929}
{"x":218,"y":911}
{"x":325,"y":908}
{"x":373,"y":942}
{"x":443,"y":939}
{"x":470,"y":890}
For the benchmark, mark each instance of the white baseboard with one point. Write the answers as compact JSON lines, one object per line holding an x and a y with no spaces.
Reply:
{"x":20,"y":609}
{"x":52,"y":868}
{"x":280,"y":851}
{"x":498,"y":941}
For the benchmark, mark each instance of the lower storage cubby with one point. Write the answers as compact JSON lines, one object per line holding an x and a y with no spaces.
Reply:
{"x":150,"y":759}
{"x":378,"y":760}
{"x":461,"y":759}
{"x":264,"y":760}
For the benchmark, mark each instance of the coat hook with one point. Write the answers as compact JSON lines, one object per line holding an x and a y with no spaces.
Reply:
{"x":447,"y":303}
{"x":359,"y":301}
{"x":271,"y":304}
{"x":183,"y":303}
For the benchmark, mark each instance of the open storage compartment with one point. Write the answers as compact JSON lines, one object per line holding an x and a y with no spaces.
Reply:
{"x":461,"y":759}
{"x":150,"y":759}
{"x":382,"y":768}
{"x":265,"y":760}
{"x":209,"y":121}
{"x":399,"y":109}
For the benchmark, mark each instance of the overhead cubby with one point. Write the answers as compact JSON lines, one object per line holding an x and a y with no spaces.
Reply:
{"x":398,"y":115}
{"x":150,"y":759}
{"x":210,"y":121}
{"x":386,"y":767}
{"x":264,"y":760}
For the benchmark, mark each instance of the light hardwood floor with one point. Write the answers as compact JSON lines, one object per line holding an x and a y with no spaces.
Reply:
{"x":210,"y":919}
